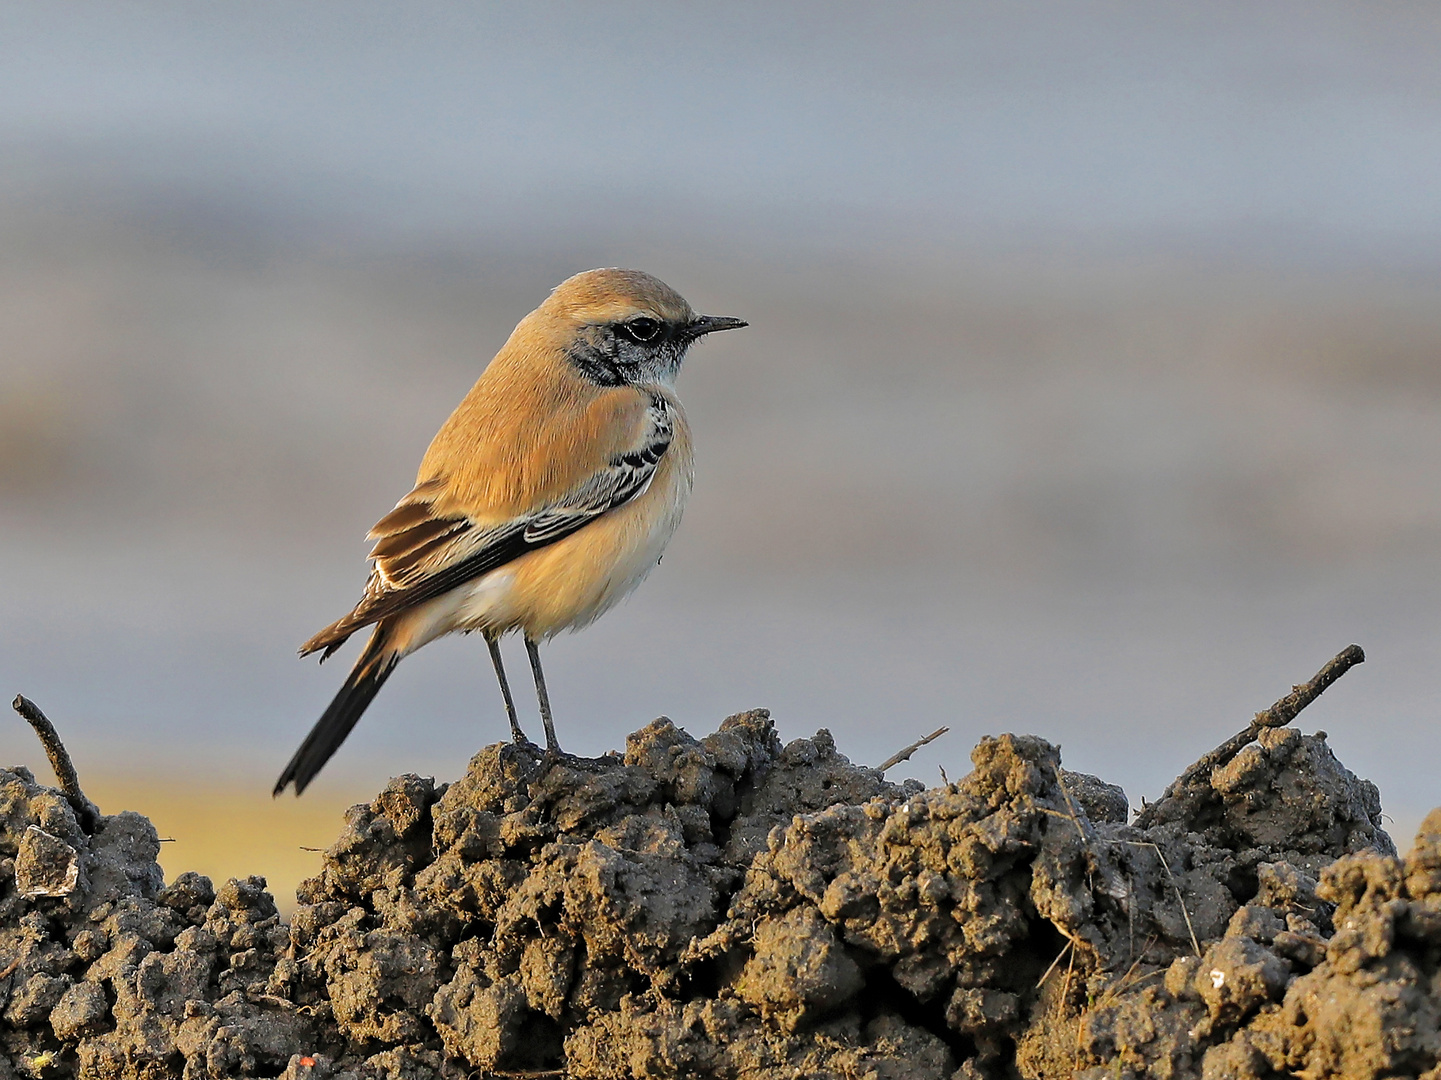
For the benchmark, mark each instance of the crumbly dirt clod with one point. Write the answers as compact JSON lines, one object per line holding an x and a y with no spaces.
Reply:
{"x":730,"y":907}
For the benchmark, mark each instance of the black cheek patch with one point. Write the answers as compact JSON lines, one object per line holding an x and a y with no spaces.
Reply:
{"x":594,"y":364}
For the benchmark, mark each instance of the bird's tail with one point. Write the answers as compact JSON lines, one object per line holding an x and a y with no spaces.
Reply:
{"x":361,"y":685}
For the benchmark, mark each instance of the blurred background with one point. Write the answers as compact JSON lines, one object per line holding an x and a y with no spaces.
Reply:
{"x":1093,"y":387}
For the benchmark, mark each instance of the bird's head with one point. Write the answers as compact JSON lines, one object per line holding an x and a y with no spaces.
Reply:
{"x":625,"y":327}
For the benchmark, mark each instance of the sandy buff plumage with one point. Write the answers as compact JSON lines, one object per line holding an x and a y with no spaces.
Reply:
{"x":544,"y":499}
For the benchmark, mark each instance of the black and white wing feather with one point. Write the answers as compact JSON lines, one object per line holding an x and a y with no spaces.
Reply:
{"x":420,"y":553}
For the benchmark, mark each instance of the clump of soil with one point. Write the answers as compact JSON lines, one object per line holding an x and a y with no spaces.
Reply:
{"x":730,"y":907}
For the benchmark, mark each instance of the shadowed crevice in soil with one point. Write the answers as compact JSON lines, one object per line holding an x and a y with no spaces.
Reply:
{"x":730,"y":907}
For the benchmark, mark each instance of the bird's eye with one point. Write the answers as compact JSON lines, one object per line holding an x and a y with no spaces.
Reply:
{"x":643,"y":329}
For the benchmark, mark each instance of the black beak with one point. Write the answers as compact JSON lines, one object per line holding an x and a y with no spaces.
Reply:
{"x":702,"y":325}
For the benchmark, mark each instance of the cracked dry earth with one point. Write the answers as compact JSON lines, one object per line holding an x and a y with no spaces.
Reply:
{"x":730,"y":907}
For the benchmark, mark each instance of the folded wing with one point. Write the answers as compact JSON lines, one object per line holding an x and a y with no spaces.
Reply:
{"x":421,"y":552}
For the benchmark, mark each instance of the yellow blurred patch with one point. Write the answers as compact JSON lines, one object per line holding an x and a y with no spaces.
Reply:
{"x":231,"y":828}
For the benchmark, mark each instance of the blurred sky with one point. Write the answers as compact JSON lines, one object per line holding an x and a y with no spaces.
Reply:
{"x":1093,"y":387}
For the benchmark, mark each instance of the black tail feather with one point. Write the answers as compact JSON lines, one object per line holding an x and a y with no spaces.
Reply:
{"x":361,"y":685}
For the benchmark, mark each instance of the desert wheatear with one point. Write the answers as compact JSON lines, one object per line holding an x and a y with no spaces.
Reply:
{"x":547,"y":496}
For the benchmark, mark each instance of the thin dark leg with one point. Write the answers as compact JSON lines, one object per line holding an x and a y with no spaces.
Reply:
{"x":515,"y":732}
{"x":551,"y":745}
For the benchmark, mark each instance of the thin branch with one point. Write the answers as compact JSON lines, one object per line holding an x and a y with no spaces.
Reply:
{"x":1290,"y":706}
{"x":1278,"y":715}
{"x":85,"y":810}
{"x":897,"y":758}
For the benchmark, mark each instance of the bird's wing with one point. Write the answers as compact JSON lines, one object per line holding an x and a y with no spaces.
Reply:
{"x":421,"y":552}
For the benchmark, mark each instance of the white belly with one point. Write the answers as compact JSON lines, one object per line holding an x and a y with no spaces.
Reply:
{"x":568,"y":584}
{"x":634,"y":565}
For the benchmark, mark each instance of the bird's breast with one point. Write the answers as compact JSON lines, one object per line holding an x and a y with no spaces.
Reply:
{"x":571,"y":583}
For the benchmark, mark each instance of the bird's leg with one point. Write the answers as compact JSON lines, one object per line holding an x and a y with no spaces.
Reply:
{"x":552,"y":747}
{"x":515,"y":732}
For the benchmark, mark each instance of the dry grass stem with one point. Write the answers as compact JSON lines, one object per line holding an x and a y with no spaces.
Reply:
{"x":1067,"y":947}
{"x":1175,"y":886}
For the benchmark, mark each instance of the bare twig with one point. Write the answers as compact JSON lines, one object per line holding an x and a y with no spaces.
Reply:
{"x":85,"y":810}
{"x":897,"y":758}
{"x":1175,"y":887}
{"x":1290,"y":706}
{"x":1278,"y":715}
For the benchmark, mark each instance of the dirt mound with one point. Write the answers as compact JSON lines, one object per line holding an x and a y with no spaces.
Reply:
{"x":732,"y":907}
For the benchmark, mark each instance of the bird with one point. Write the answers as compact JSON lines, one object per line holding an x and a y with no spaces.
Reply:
{"x":546,"y":497}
